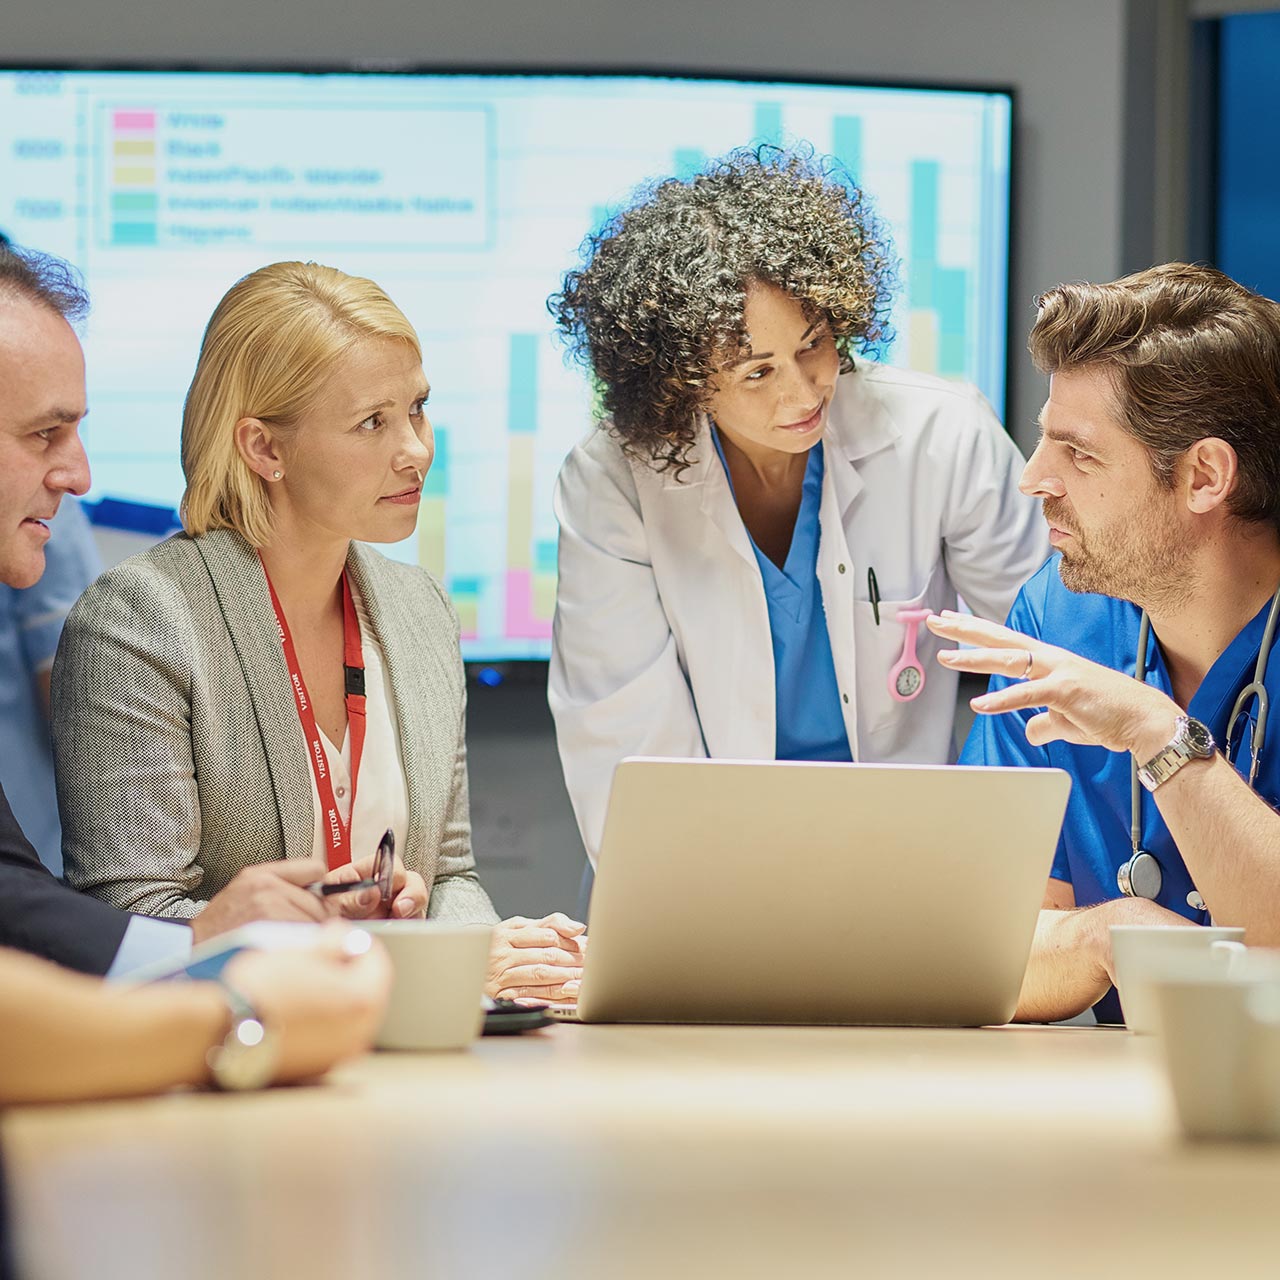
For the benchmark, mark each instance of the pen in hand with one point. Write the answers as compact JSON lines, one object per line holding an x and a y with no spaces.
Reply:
{"x":324,"y":889}
{"x":383,"y":878}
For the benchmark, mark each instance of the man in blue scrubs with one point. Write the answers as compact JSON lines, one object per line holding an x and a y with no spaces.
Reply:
{"x":1159,"y":470}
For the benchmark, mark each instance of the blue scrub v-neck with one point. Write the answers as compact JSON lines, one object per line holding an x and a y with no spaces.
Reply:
{"x":809,"y":723}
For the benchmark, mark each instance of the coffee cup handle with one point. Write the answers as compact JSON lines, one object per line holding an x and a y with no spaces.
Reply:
{"x":1234,"y":950}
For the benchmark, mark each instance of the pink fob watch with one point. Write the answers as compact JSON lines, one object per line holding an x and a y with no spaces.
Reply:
{"x":906,"y":680}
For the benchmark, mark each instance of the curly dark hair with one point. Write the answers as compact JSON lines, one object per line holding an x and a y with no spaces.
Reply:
{"x":43,"y":279}
{"x":659,"y":298}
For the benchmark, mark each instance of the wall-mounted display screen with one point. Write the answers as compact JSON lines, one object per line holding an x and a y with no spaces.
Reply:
{"x":466,"y":197}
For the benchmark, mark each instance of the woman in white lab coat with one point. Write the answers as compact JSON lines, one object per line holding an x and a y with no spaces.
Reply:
{"x":741,"y":534}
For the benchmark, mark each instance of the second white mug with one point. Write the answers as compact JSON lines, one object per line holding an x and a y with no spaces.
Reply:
{"x":1143,"y":952}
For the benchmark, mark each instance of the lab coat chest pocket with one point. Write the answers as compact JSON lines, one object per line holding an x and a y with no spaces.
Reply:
{"x":880,"y":647}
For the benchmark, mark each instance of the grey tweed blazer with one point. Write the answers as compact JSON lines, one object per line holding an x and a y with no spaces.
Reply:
{"x":178,"y":752}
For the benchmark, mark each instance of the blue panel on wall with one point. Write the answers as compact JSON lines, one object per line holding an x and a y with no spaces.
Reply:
{"x":1248,"y":247}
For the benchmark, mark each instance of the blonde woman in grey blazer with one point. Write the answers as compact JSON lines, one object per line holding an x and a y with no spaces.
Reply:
{"x":180,"y":751}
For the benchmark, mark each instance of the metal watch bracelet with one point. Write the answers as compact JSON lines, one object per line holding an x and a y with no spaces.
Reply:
{"x":1191,"y":741}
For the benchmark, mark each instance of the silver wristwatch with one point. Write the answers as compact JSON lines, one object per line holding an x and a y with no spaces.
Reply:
{"x":1191,"y":741}
{"x":247,"y":1058}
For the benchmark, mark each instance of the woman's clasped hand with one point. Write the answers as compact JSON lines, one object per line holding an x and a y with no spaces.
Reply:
{"x":537,"y":960}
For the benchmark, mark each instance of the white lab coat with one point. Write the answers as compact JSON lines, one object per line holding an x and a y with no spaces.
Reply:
{"x":661,"y":644}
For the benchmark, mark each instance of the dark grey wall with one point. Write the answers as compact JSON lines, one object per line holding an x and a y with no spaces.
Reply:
{"x":1067,"y":61}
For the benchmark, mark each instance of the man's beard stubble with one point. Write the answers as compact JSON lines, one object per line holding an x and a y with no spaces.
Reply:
{"x":1143,"y":559}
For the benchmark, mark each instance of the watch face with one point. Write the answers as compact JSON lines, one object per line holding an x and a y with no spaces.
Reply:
{"x":246,"y":1059}
{"x":1198,"y":738}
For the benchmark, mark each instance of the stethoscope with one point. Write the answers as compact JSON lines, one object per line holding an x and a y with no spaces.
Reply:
{"x":1142,"y":876}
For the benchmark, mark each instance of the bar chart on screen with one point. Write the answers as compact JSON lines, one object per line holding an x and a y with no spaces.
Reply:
{"x":466,"y":197}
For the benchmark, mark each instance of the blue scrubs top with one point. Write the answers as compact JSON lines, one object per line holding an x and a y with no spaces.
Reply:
{"x":809,"y":722}
{"x":1095,"y":839}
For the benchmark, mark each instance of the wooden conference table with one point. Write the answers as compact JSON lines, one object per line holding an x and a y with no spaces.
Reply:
{"x":658,"y":1151}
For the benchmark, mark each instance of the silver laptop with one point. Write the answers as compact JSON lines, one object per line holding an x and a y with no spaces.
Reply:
{"x":748,"y":892}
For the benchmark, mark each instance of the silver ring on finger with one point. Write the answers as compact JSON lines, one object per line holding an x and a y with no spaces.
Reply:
{"x":1026,"y":672}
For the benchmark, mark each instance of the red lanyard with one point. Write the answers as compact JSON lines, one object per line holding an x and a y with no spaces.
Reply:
{"x":338,"y":832}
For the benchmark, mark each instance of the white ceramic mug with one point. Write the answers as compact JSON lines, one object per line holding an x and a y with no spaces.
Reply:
{"x":1142,"y":952}
{"x":438,"y":984}
{"x":1220,"y":1036}
{"x":1262,"y":1059}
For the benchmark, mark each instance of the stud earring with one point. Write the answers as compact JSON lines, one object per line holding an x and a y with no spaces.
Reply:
{"x":275,"y":475}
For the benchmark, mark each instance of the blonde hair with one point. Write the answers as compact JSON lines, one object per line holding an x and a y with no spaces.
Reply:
{"x":270,"y":344}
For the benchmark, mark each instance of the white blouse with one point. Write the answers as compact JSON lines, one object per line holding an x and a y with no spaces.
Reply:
{"x":382,"y":798}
